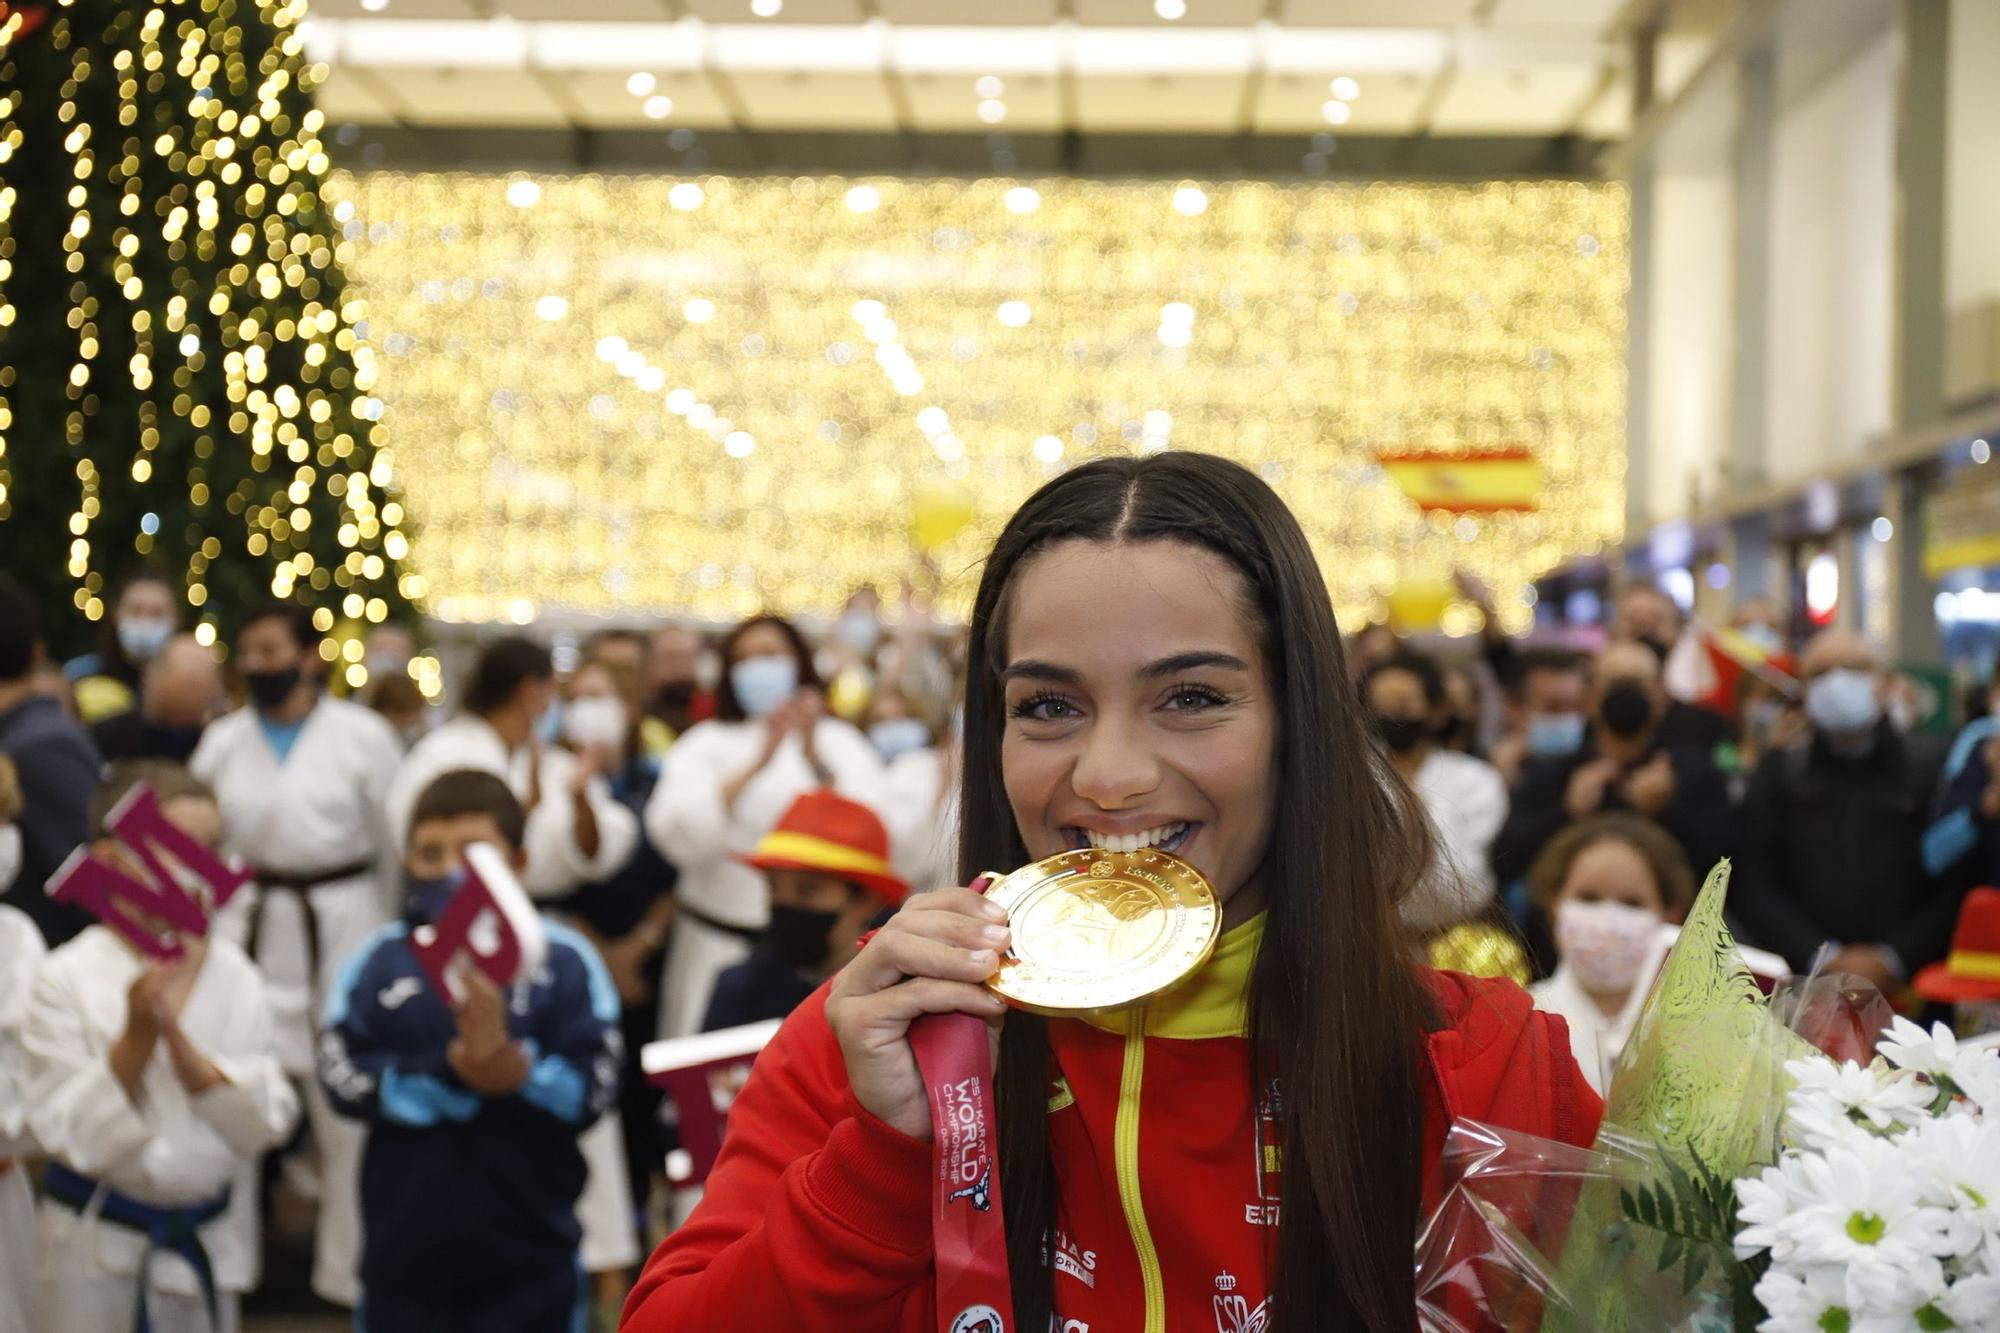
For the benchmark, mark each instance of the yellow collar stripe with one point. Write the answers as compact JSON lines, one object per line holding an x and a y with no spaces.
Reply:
{"x":818,"y":853}
{"x":1214,"y":1002}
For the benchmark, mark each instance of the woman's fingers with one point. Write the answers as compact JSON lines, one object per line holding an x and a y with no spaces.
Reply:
{"x":894,"y":1009}
{"x":962,"y":901}
{"x":895,"y":954}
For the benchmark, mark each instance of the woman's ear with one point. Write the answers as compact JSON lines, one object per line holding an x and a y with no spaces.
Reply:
{"x":517,"y":861}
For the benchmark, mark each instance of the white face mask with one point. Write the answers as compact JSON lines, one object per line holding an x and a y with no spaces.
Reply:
{"x":599,"y":720}
{"x":10,"y":854}
{"x":1604,"y":945}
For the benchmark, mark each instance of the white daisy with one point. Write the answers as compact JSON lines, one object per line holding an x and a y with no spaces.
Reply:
{"x":1938,"y":1056}
{"x":1864,"y":1208}
{"x":1867,"y":1094}
{"x":1958,"y":1157}
{"x":1973,"y":1303}
{"x":1804,"y":1300}
{"x":1767,"y":1206}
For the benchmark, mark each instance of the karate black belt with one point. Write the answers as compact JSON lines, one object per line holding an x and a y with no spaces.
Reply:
{"x":175,"y":1230}
{"x":750,"y":933}
{"x":300,"y":887}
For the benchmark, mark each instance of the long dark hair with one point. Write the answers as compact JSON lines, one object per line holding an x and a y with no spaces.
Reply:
{"x":1337,"y":1012}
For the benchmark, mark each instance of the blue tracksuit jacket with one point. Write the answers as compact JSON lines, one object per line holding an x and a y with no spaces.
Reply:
{"x":457,"y":1188}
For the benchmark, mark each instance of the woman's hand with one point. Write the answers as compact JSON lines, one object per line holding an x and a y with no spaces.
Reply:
{"x":929,"y":959}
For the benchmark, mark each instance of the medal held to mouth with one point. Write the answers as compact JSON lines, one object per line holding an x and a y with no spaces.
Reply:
{"x":1097,"y":931}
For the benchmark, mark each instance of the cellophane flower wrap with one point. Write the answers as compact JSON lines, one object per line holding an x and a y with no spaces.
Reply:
{"x":1763,"y":1165}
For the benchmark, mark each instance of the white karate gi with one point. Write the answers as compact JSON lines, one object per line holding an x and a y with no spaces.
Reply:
{"x":164,"y":1147}
{"x":21,"y":955}
{"x":319,"y":810}
{"x":923,"y":842}
{"x":556,"y":868}
{"x":690,"y":826}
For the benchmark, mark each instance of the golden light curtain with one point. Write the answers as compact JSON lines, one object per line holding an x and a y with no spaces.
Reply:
{"x":709,"y":396}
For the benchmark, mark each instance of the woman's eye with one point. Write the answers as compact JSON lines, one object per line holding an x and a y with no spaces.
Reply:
{"x":1193,"y":698}
{"x":1045,"y":708}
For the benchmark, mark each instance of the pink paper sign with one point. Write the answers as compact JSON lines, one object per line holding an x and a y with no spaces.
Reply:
{"x":179,"y":887}
{"x":490,"y":923}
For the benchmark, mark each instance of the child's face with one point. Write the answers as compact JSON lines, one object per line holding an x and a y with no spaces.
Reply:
{"x":197,"y":816}
{"x":437,"y":846}
{"x":1611,"y":871}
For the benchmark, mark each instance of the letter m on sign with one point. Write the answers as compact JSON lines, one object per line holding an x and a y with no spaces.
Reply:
{"x":179,"y":885}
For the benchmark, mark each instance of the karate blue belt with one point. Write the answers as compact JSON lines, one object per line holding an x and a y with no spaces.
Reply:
{"x":170,"y":1229}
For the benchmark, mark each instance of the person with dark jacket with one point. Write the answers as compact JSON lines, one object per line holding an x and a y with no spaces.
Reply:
{"x":1833,"y":831}
{"x":828,"y":865}
{"x":177,"y":697}
{"x":1625,"y":764}
{"x":471,"y":1176}
{"x":57,"y":765}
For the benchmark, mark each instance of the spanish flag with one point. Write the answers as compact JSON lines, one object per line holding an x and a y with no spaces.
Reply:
{"x":1488,"y":482}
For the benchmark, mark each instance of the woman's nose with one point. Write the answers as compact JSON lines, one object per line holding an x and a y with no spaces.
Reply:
{"x":1116,"y":768}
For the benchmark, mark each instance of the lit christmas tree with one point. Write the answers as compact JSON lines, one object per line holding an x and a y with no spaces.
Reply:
{"x":183,"y":383}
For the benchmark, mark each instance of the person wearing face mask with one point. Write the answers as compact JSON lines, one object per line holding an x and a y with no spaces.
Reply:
{"x":923,"y":784}
{"x":1547,"y":693}
{"x":145,"y":612}
{"x":1833,"y":831}
{"x":828,"y":868}
{"x":726,"y":783}
{"x":675,"y":696}
{"x":301,"y":778}
{"x":626,"y":914}
{"x":1624,"y":764}
{"x":479,"y":1112}
{"x":577,"y":834}
{"x":1608,"y":884}
{"x":1465,"y":798}
{"x":1648,"y":615}
{"x":182,"y":688}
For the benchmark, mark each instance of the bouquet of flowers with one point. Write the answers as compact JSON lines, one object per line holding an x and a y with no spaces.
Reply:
{"x":1800,"y":1161}
{"x":1883,"y":1212}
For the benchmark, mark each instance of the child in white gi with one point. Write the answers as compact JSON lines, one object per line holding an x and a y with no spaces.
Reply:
{"x":21,"y":954}
{"x":150,"y":1086}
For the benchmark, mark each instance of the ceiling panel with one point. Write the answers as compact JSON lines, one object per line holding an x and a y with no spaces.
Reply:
{"x":343,"y":97}
{"x":794,"y":11}
{"x":397,"y":9}
{"x":798,"y":101}
{"x":1388,"y":104}
{"x":602,"y":102}
{"x":612,"y":11}
{"x":471,"y":97}
{"x":948,"y":103}
{"x":1593,"y":15}
{"x":1200,"y":13}
{"x":1376,"y":13}
{"x":952,"y":12}
{"x":1155,"y":103}
{"x":1531,"y":100}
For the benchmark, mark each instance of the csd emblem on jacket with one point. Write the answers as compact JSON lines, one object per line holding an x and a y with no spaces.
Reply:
{"x":1233,"y":1313}
{"x":978,"y":1319}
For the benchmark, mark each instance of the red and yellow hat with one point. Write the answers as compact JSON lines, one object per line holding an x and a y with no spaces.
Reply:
{"x":1972,"y":970}
{"x":828,"y":834}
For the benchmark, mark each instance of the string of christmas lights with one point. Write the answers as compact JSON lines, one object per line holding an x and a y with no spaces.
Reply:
{"x":215,"y":413}
{"x":711,"y":396}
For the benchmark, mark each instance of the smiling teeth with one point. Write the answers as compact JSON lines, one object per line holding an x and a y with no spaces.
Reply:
{"x":1132,"y":842}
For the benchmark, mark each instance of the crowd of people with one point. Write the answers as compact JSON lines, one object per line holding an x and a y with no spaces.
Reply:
{"x":710,"y":824}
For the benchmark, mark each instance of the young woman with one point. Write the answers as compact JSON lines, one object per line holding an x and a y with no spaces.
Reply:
{"x":145,"y":612}
{"x":726,"y":783}
{"x":1153,"y":653}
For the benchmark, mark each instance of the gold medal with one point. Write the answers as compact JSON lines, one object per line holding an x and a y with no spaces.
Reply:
{"x":1095,"y":930}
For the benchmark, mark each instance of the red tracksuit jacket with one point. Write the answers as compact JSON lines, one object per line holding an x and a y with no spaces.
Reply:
{"x":817,"y":1215}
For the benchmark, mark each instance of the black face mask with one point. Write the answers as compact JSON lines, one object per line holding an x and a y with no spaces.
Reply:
{"x":1627,"y":709}
{"x":268,"y":689}
{"x":674,"y":696}
{"x":1401,"y":734}
{"x":801,"y":939}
